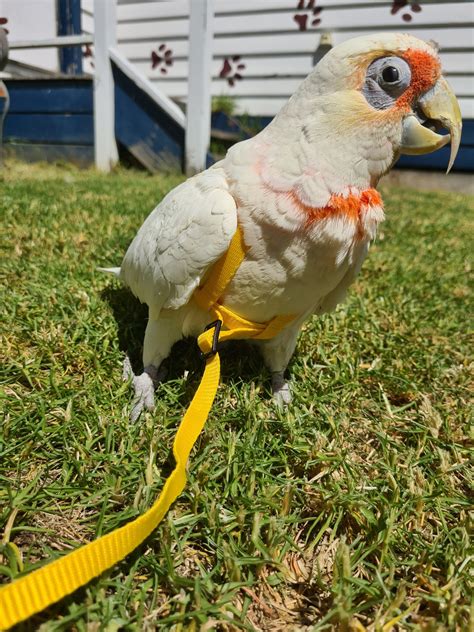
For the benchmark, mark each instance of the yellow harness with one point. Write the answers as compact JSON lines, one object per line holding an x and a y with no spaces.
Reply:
{"x":43,"y":587}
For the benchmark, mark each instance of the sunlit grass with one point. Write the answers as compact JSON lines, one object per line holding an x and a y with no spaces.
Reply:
{"x":348,"y":509}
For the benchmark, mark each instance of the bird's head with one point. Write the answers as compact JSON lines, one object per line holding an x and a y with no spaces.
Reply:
{"x":373,"y":98}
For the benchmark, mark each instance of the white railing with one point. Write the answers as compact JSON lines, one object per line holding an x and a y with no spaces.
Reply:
{"x":58,"y":42}
{"x":104,"y":40}
{"x":198,"y":107}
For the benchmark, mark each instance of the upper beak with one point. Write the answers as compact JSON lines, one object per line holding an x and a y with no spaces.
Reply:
{"x":439,"y":106}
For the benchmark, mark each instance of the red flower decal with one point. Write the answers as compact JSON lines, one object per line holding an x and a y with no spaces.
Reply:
{"x":402,"y":4}
{"x":232,"y":69}
{"x":88,"y":52}
{"x":310,"y":15}
{"x":162,"y":59}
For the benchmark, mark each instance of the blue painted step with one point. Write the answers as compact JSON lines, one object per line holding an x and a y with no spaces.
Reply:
{"x":50,"y":120}
{"x":147,"y":132}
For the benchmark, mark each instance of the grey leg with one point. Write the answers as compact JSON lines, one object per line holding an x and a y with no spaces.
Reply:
{"x":280,"y":389}
{"x":160,"y":336}
{"x":277,"y":353}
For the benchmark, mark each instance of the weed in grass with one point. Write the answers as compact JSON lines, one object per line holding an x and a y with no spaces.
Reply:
{"x":348,"y":509}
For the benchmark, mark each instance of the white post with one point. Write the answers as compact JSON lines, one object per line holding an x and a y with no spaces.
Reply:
{"x":105,"y":36}
{"x":198,"y":113}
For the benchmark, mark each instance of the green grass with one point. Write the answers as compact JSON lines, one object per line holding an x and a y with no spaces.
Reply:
{"x":347,"y":511}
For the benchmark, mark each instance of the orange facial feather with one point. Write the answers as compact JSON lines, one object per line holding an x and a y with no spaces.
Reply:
{"x":425,"y":70}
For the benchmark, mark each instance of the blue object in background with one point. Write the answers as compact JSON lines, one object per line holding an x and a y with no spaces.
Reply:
{"x":149,"y":134}
{"x":4,"y":105}
{"x":50,"y":120}
{"x":69,"y":23}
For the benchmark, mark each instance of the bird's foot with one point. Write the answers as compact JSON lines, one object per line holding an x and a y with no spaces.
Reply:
{"x":144,"y":387}
{"x":280,"y":389}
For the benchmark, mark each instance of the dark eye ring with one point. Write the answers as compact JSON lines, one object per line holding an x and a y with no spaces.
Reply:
{"x":390,"y":74}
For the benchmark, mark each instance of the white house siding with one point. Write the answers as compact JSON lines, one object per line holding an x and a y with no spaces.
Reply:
{"x":31,"y":19}
{"x":274,"y":53}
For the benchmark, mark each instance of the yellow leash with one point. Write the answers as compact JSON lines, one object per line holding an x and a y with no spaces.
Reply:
{"x":43,"y":587}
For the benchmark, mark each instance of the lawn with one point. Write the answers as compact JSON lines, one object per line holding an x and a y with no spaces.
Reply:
{"x":347,"y":511}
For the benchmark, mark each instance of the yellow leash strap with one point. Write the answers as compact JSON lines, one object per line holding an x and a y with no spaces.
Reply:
{"x":43,"y":587}
{"x":222,"y":273}
{"x":47,"y":585}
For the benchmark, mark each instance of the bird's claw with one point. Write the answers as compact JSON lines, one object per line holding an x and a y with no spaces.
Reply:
{"x":144,"y":387}
{"x":144,"y":395}
{"x":280,"y":389}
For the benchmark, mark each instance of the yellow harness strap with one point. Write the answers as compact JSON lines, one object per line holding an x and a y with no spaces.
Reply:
{"x":43,"y":587}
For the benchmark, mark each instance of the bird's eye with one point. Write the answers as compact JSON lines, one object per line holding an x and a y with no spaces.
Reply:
{"x":390,"y":74}
{"x":386,"y":79}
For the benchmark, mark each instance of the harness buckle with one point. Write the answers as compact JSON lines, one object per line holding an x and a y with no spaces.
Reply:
{"x":217,"y":325}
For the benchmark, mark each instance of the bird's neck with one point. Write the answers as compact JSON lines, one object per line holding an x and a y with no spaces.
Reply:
{"x":328,"y":143}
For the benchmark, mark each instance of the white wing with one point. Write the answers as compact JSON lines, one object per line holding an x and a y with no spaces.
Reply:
{"x":185,"y":234}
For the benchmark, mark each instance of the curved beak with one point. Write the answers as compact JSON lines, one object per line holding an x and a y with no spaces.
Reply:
{"x":439,"y":107}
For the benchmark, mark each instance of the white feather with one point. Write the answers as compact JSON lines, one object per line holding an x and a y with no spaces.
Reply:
{"x":180,"y":240}
{"x":114,"y":271}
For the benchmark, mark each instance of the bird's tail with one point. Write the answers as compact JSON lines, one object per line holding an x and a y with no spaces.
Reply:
{"x":115,"y":271}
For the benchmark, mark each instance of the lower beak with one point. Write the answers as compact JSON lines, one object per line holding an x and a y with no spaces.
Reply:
{"x":440,"y":107}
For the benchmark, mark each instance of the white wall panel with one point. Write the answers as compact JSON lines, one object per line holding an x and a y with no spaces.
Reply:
{"x":32,"y":19}
{"x":303,"y":43}
{"x":275,"y":53}
{"x":283,"y":22}
{"x":293,"y":66}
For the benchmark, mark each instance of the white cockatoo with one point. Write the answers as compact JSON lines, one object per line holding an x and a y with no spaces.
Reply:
{"x":303,"y":193}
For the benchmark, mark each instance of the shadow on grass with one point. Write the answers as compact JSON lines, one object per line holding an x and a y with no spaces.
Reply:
{"x":131,"y":318}
{"x":240,"y":361}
